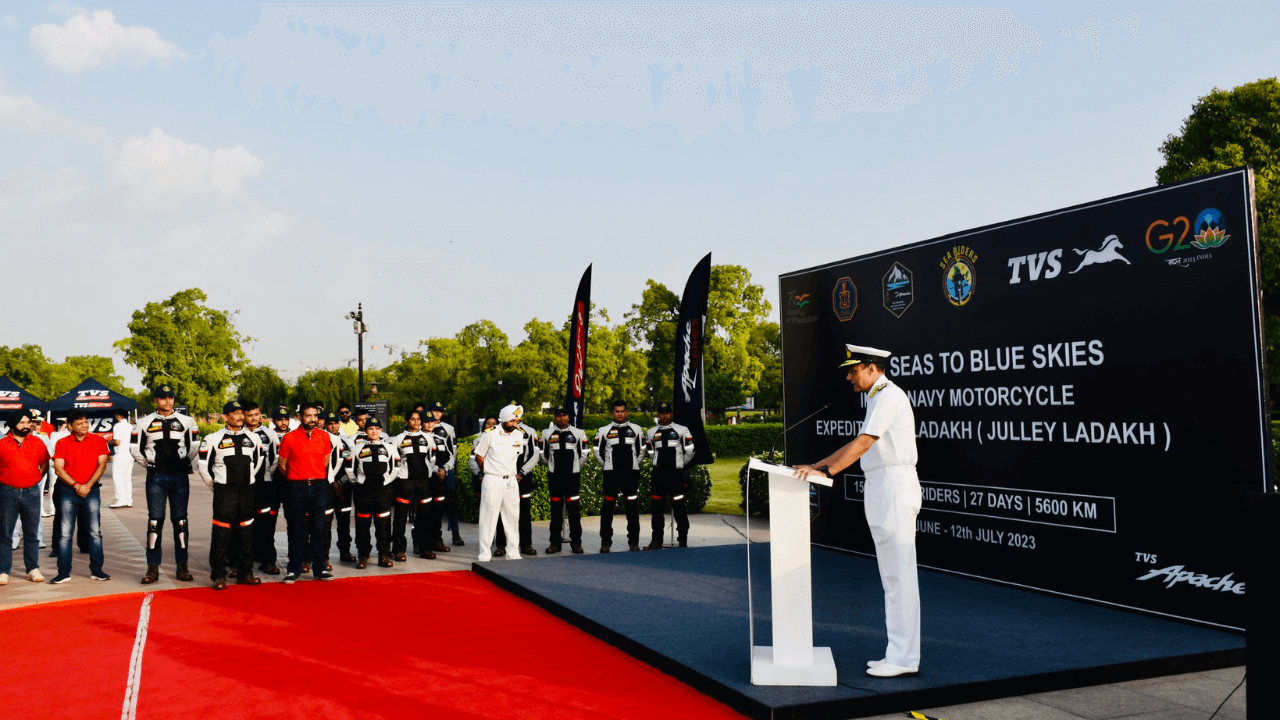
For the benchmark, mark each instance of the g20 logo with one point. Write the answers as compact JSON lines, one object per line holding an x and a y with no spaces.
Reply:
{"x":1165,"y":235}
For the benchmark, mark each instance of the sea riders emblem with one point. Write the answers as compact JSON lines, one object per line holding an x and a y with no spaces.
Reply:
{"x":898,"y":289}
{"x":959,"y":274}
{"x":844,"y":299}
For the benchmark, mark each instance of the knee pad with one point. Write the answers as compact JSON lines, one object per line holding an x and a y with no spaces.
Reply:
{"x":573,"y":499}
{"x":181,"y":532}
{"x":154,"y":527}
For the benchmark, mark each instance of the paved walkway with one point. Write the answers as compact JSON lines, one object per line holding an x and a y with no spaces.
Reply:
{"x":1179,"y":697}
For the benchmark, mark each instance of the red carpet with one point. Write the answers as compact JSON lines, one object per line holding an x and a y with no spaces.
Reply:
{"x":431,"y":645}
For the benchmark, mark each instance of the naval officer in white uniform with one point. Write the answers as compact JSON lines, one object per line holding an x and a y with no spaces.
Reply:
{"x":887,"y":448}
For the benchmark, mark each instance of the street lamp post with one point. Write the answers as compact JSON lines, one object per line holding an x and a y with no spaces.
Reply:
{"x":360,"y":329}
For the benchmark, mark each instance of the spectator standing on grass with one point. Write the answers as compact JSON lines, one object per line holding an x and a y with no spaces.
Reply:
{"x":24,"y":459}
{"x":121,"y":460}
{"x":79,"y":460}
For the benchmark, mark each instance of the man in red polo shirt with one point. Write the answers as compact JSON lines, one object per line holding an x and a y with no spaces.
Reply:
{"x":23,"y":461}
{"x":308,"y":459}
{"x":79,"y":460}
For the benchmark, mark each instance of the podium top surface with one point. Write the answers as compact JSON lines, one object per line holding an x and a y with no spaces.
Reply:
{"x":783,"y":470}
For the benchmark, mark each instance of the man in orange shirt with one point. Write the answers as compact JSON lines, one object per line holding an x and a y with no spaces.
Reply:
{"x":308,"y":459}
{"x":79,"y":460}
{"x":23,"y":461}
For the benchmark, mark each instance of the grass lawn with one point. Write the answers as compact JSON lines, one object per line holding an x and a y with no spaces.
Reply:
{"x":726,"y":495}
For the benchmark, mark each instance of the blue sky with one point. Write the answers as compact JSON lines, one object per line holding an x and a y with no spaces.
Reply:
{"x":292,"y":175}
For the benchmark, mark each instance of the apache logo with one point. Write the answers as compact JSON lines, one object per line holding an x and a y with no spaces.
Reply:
{"x":579,"y":354}
{"x":1175,"y":574}
{"x":692,"y":357}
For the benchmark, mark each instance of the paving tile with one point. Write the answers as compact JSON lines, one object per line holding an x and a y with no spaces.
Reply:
{"x":1018,"y":708}
{"x":1103,"y":702}
{"x":1202,"y":692}
{"x":1180,"y":713}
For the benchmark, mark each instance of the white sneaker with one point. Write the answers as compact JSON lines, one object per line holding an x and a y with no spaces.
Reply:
{"x":35,"y":576}
{"x":876,"y":663}
{"x":484,"y":558}
{"x":887,"y":671}
{"x":4,"y":579}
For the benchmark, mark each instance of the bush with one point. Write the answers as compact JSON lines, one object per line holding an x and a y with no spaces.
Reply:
{"x":759,"y":491}
{"x":742,"y":440}
{"x":590,"y":495}
{"x":208,"y":428}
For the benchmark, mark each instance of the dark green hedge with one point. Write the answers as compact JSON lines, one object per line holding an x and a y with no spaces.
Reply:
{"x":469,"y":506}
{"x":743,"y":440}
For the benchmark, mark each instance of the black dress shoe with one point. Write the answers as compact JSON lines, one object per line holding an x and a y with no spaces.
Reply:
{"x":441,"y":547}
{"x":657,"y":545}
{"x":183,"y":574}
{"x":233,"y":573}
{"x":577,"y":549}
{"x":362,"y":563}
{"x":385,"y":561}
{"x":528,"y":550}
{"x":457,"y":540}
{"x":552,"y":550}
{"x":271,"y":569}
{"x":604,"y":548}
{"x":348,"y":557}
{"x":427,"y":555}
{"x":500,"y":552}
{"x":248,"y":579}
{"x":220,"y":584}
{"x":684,"y":543}
{"x":153,"y":574}
{"x":401,"y":557}
{"x":634,"y":548}
{"x":306,"y":568}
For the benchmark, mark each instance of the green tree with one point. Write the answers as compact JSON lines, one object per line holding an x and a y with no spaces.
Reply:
{"x":183,"y":342}
{"x":652,"y":324}
{"x":735,"y":306}
{"x":261,"y":384}
{"x":723,"y":391}
{"x":766,"y":340}
{"x":329,"y":387}
{"x":1228,"y":129}
{"x":28,"y":367}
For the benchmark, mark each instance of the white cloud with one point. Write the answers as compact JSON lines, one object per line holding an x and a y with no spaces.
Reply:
{"x":24,"y":113}
{"x":159,"y":167}
{"x":87,"y":42}
{"x":246,"y":228}
{"x":10,"y":21}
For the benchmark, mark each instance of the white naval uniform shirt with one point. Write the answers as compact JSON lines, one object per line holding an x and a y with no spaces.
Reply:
{"x":501,"y":451}
{"x":889,"y":418}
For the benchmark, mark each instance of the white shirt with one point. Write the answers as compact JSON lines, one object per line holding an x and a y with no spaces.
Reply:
{"x":889,"y":418}
{"x":121,"y":432}
{"x":501,"y":450}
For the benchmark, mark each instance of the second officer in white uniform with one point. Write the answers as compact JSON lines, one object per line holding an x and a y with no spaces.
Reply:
{"x":887,"y":447}
{"x":498,"y":453}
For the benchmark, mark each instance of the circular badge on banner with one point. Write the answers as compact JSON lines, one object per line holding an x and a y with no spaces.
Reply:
{"x":959,"y":275}
{"x":1210,"y":231}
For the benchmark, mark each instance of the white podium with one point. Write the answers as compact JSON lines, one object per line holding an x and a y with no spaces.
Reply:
{"x":793,"y":660}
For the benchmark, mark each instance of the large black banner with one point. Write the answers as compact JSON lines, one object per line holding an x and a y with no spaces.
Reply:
{"x":689,"y":404}
{"x":1088,"y":388}
{"x":579,"y":324}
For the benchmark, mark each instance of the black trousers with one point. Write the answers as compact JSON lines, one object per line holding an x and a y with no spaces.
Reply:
{"x":232,"y":540}
{"x":564,"y":489}
{"x":620,"y":485}
{"x":443,"y":504}
{"x":526,"y":511}
{"x":339,"y":514}
{"x":373,"y":508}
{"x":669,"y":487}
{"x":409,"y":493}
{"x":266,"y":501}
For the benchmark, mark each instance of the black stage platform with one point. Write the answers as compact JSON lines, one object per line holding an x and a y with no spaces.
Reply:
{"x":685,"y":612}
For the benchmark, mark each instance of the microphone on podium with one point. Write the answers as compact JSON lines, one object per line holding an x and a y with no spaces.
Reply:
{"x":793,"y":427}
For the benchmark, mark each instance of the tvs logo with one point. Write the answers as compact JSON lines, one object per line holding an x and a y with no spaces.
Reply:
{"x":898,"y":289}
{"x":579,"y":352}
{"x":844,"y":299}
{"x":959,"y":274}
{"x":1175,"y":574}
{"x":1109,"y":251}
{"x":1210,"y":232}
{"x":1048,"y":264}
{"x":800,"y":308}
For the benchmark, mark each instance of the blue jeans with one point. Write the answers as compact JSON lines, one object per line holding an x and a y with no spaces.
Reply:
{"x":175,"y":488}
{"x":24,"y":504}
{"x":72,"y":506}
{"x":304,"y":507}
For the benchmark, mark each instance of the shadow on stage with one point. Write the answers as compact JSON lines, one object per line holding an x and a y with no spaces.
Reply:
{"x":684,"y":611}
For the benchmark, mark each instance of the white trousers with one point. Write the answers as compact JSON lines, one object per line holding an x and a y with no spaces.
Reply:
{"x":499,"y":497}
{"x":892,"y":501}
{"x":122,"y":478}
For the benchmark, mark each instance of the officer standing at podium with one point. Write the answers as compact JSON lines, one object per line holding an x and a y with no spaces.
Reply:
{"x":887,"y":448}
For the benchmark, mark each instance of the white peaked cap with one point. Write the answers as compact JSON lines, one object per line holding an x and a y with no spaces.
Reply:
{"x":855,"y":354}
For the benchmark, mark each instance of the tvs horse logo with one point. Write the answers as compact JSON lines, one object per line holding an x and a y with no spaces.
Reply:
{"x":1110,"y":251}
